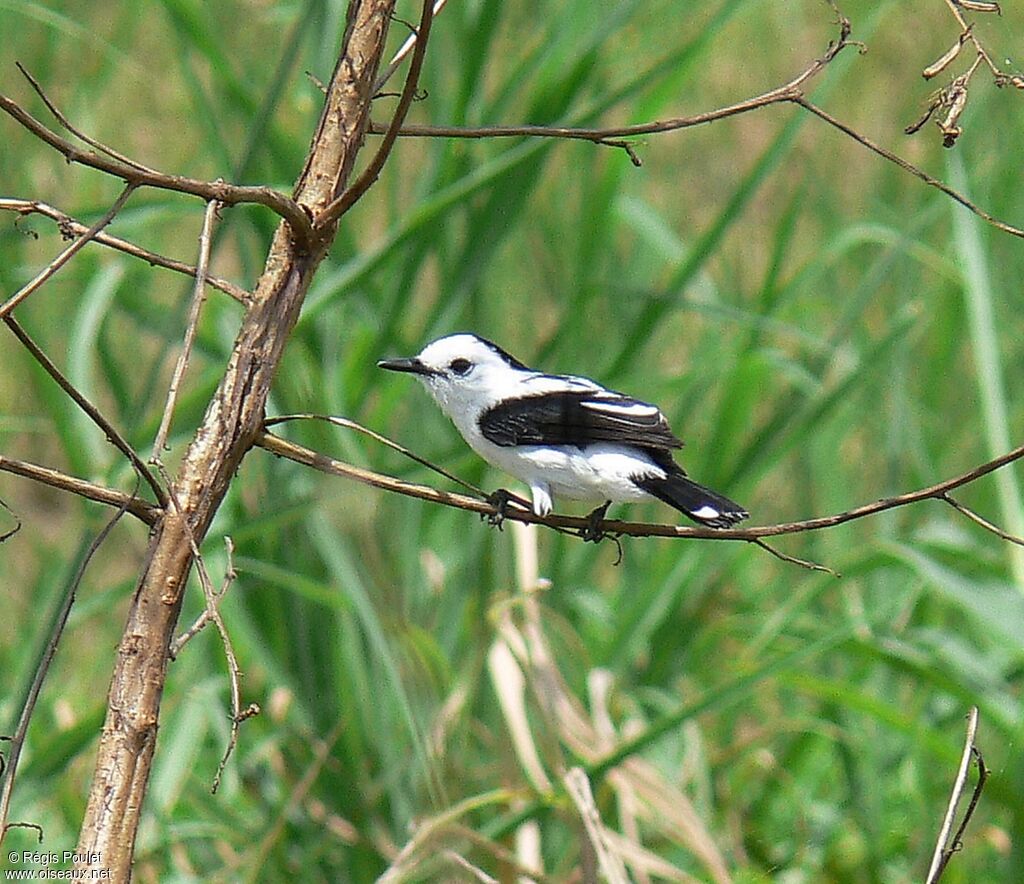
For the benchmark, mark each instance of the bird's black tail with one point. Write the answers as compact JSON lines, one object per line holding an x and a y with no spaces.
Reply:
{"x":704,"y":506}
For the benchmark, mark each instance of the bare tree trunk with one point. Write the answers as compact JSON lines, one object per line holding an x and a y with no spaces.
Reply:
{"x":233,"y":419}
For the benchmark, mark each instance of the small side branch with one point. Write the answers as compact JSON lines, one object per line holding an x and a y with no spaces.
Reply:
{"x":50,"y":269}
{"x":139,"y":176}
{"x":139,"y":507}
{"x":69,"y":227}
{"x":907,"y":166}
{"x":198,"y":298}
{"x":946,"y":846}
{"x":115,"y":438}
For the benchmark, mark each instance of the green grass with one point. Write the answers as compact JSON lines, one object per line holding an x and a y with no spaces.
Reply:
{"x":822,"y":329}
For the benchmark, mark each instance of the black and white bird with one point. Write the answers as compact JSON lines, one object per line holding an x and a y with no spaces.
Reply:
{"x":564,"y":436}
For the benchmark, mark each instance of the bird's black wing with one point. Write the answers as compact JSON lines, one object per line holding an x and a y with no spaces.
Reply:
{"x":577,"y":417}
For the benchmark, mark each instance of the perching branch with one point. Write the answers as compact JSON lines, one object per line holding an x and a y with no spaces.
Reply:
{"x":940,"y":491}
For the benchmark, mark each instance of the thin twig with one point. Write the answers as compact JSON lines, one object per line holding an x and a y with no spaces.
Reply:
{"x":944,"y":847}
{"x":69,"y":252}
{"x":115,"y":438}
{"x":403,"y":51}
{"x":200,"y":623}
{"x":785,"y":92}
{"x":906,"y":165}
{"x":198,"y":298}
{"x":60,"y":621}
{"x":789,"y":92}
{"x":212,"y":598}
{"x":229,"y":194}
{"x":793,"y":560}
{"x":335,"y":209}
{"x":139,"y":507}
{"x":384,"y":440}
{"x":70,"y":227}
{"x":323,"y":463}
{"x":979,"y":520}
{"x":7,"y":535}
{"x":78,"y":133}
{"x":968,"y":31}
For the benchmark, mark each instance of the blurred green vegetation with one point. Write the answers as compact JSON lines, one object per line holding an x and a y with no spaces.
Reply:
{"x":821,"y":328}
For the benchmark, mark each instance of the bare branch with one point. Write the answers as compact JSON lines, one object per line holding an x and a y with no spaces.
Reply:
{"x":115,"y":438}
{"x":211,"y":614}
{"x":231,"y":422}
{"x":343,"y":203}
{"x":384,"y":440}
{"x":78,"y":133}
{"x":907,"y":166}
{"x":139,"y":507}
{"x":791,"y":92}
{"x":979,"y":520}
{"x":50,"y":269}
{"x":793,"y":560}
{"x":325,"y":464}
{"x":132,"y":173}
{"x":70,"y":227}
{"x":198,"y":298}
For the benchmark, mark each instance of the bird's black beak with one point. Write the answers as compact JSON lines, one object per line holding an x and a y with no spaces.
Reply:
{"x":412,"y":365}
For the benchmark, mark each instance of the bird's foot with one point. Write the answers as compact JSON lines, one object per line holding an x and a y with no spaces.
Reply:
{"x":500,"y":500}
{"x":593,"y":532}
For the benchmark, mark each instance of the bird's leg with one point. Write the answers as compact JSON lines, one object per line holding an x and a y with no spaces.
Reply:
{"x":593,"y":533}
{"x":500,"y":500}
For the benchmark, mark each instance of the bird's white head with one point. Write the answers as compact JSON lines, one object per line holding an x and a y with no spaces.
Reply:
{"x":464,"y":373}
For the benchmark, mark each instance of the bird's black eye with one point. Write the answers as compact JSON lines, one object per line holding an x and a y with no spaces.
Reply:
{"x":460,"y":366}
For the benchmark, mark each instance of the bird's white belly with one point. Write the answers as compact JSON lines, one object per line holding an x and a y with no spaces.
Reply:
{"x":594,"y":473}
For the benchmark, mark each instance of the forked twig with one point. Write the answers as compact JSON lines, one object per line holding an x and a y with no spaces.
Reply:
{"x":69,"y":252}
{"x":335,"y":209}
{"x":95,"y":415}
{"x":212,"y":614}
{"x":137,"y":175}
{"x":70,"y":227}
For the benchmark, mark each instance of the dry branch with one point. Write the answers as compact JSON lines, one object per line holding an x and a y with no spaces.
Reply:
{"x":50,"y":269}
{"x":139,"y":176}
{"x":137,"y":506}
{"x":94,"y":414}
{"x":232,"y":422}
{"x":940,"y":491}
{"x":70,"y":227}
